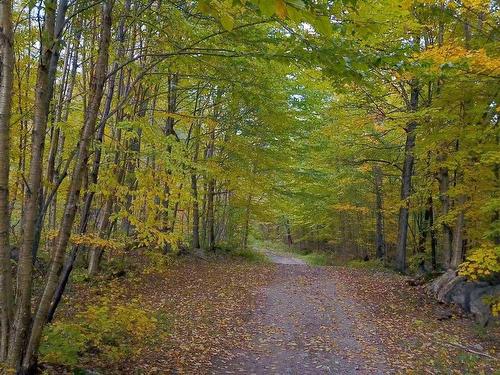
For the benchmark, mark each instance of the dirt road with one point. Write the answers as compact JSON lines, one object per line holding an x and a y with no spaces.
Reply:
{"x":301,"y":327}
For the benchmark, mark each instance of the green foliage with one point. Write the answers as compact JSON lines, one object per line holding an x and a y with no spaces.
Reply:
{"x":317,"y":259}
{"x":372,"y":264}
{"x":416,"y":260}
{"x":251,"y":255}
{"x":110,"y":332}
{"x":63,"y":343}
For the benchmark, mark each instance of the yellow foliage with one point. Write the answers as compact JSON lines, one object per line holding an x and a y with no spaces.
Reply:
{"x":90,"y":240}
{"x":478,"y":60}
{"x":349,"y":207}
{"x":483,"y":263}
{"x":495,"y":308}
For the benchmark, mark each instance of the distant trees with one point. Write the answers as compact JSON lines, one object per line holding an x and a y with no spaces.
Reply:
{"x":420,"y":116}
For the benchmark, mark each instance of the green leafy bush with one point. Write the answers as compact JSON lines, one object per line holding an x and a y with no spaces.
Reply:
{"x":110,"y":332}
{"x":416,"y":260}
{"x":317,"y":259}
{"x":63,"y":343}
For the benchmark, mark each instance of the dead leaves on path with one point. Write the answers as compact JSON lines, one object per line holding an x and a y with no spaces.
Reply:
{"x":208,"y":304}
{"x":207,"y":310}
{"x":407,"y":324}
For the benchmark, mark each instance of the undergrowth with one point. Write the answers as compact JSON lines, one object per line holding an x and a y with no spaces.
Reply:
{"x":251,"y":255}
{"x":106,"y":332}
{"x":317,"y":259}
{"x":372,"y":264}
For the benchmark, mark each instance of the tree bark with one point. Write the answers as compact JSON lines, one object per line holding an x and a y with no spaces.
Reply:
{"x":457,"y":241}
{"x":210,"y":215}
{"x":6,"y":82}
{"x":289,"y":239}
{"x":447,"y":234}
{"x":55,"y":46}
{"x":379,"y":213}
{"x":247,"y":222}
{"x":406,"y":183}
{"x":196,"y":212}
{"x":194,"y":188}
{"x":97,"y":86}
{"x":20,"y":327}
{"x":430,"y":211}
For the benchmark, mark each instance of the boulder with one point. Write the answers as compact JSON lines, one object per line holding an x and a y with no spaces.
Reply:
{"x":469,"y":296}
{"x":438,"y":283}
{"x":444,"y":294}
{"x":461,"y":294}
{"x":478,"y":307}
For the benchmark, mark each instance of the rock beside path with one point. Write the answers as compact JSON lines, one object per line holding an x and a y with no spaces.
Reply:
{"x":471,"y":297}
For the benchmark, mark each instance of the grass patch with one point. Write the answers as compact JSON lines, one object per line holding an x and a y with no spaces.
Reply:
{"x":251,"y":256}
{"x":372,"y":264}
{"x":317,"y":259}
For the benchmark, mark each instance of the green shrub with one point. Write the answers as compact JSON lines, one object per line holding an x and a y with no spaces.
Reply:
{"x":317,"y":259}
{"x":113,"y":332}
{"x":63,"y":343}
{"x":416,"y":260}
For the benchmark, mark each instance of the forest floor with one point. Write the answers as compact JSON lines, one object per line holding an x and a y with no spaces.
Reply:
{"x":286,"y":317}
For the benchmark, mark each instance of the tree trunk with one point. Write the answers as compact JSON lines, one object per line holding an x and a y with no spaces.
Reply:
{"x":22,"y":320}
{"x":247,"y":222}
{"x":196,"y":212}
{"x":289,"y":239}
{"x":457,"y":242}
{"x":379,"y":213}
{"x":447,"y":234}
{"x":210,"y":215}
{"x":97,"y":86}
{"x":55,"y":46}
{"x":6,"y":81}
{"x":103,"y":230}
{"x":433,"y":233}
{"x":406,"y":183}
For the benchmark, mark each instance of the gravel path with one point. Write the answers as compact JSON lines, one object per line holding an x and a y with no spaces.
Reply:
{"x":301,"y":327}
{"x":283,"y":259}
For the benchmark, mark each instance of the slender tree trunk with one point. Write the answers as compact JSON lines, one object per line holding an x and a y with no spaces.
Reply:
{"x":247,"y":222}
{"x":289,"y":239}
{"x":85,"y":215}
{"x":97,"y":86}
{"x":6,"y":82}
{"x":379,"y":213}
{"x":22,"y":320}
{"x":103,"y":230}
{"x":457,"y":241}
{"x":196,"y":212}
{"x":194,"y":188}
{"x":447,"y":234}
{"x":430,"y":204}
{"x":406,"y":183}
{"x":210,"y":215}
{"x":55,"y":46}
